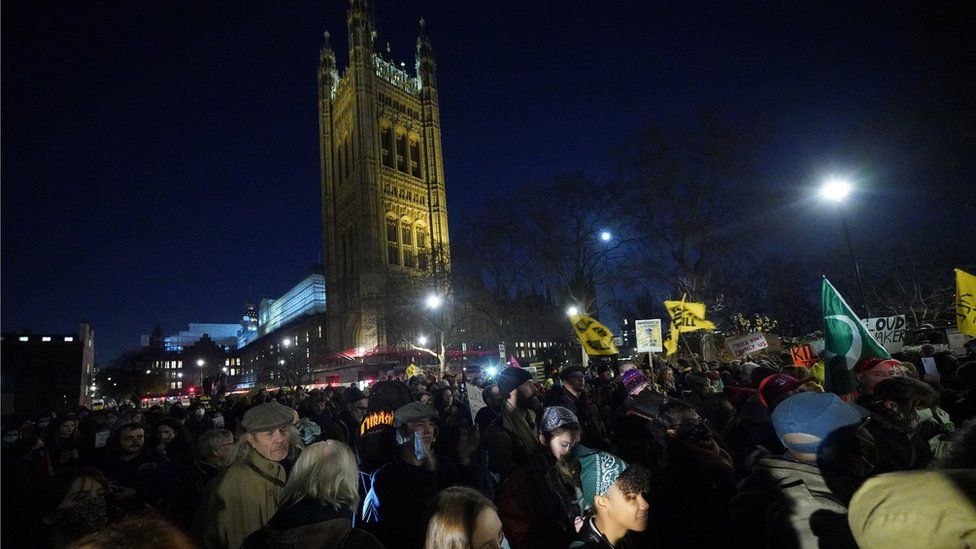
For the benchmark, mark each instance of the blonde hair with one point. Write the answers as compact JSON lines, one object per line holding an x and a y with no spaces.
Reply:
{"x":326,"y":472}
{"x":455,"y":517}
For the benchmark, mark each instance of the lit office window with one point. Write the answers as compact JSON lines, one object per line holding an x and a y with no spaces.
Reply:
{"x":46,"y":338}
{"x":68,"y":339}
{"x":24,"y":338}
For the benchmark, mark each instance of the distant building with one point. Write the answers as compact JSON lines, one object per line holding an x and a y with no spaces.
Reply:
{"x":305,"y":298}
{"x":47,"y":372}
{"x":199,"y":360}
{"x":249,"y":325}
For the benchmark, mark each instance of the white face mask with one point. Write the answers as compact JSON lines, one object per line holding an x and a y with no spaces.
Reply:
{"x":504,"y":543}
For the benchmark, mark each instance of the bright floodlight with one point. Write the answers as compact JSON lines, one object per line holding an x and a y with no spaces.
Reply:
{"x":572,"y":311}
{"x":148,"y":372}
{"x":287,"y":342}
{"x":606,"y":236}
{"x":434,"y":301}
{"x":491,"y":371}
{"x":200,"y":362}
{"x":422,"y":340}
{"x":360,"y":351}
{"x":835,"y":189}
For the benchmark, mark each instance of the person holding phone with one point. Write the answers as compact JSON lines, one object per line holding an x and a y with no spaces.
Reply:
{"x":403,"y":490}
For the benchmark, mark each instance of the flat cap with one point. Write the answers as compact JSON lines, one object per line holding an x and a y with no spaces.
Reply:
{"x":267,"y":416}
{"x":414,"y":411}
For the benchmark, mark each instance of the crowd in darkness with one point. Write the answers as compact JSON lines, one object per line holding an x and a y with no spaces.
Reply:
{"x":686,"y":454}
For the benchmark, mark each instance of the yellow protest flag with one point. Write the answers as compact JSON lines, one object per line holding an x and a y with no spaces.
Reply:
{"x":966,"y":302}
{"x":688,"y":317}
{"x":671,"y":343}
{"x":595,"y":337}
{"x":411,"y":371}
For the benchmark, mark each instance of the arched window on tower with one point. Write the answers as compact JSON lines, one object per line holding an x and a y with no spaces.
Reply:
{"x":386,"y":143}
{"x":392,"y":251}
{"x":415,"y":158}
{"x":401,"y":152}
{"x":409,"y":258}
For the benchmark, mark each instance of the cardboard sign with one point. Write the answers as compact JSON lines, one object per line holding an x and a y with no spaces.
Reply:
{"x":648,"y":333}
{"x":803,"y":356}
{"x":746,"y":344}
{"x":476,"y":400}
{"x":888,"y":331}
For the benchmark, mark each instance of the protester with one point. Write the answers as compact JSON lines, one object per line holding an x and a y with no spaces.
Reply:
{"x":75,"y":505}
{"x":65,"y":443}
{"x":615,"y":496}
{"x":871,"y":371}
{"x":137,"y":532}
{"x":173,"y":440}
{"x":493,"y":402}
{"x":573,"y":396}
{"x":776,"y":505}
{"x":245,"y":496}
{"x":511,"y":440}
{"x":464,"y":518}
{"x":403,"y":491}
{"x":317,"y":504}
{"x":894,"y":405}
{"x":540,"y":503}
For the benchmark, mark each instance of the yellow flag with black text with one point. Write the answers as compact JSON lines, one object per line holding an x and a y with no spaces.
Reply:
{"x":685,"y":317}
{"x":966,"y":302}
{"x":595,"y":337}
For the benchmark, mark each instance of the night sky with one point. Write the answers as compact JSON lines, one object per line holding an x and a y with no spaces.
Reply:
{"x":160,"y":160}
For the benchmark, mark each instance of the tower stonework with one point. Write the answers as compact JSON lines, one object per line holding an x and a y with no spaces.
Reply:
{"x":384,"y":205}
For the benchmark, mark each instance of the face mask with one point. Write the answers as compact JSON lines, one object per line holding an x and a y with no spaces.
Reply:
{"x":504,"y":543}
{"x":82,"y":518}
{"x":11,"y":438}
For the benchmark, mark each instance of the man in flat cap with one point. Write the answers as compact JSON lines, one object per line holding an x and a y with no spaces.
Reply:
{"x":245,"y":495}
{"x":405,"y":489}
{"x":511,"y":440}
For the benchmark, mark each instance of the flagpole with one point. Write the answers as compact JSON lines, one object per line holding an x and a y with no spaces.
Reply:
{"x":857,"y":268}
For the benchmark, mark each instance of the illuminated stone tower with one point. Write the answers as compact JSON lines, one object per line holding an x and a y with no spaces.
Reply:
{"x":384,"y":206}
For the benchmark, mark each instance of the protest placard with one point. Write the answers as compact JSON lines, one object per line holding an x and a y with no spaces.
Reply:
{"x":803,"y":355}
{"x":888,"y":331}
{"x":746,"y":344}
{"x":476,"y":400}
{"x":648,"y":334}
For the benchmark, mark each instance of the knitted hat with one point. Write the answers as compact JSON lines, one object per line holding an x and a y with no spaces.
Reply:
{"x":510,"y":379}
{"x":555,"y":417}
{"x":816,"y":414}
{"x":777,"y":385}
{"x":352,"y":395}
{"x":267,"y":416}
{"x":598,"y":471}
{"x":633,"y":379}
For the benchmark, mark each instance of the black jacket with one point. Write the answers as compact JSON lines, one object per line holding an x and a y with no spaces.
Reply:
{"x":589,"y":537}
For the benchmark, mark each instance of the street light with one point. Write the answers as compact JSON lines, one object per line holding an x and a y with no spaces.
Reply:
{"x":434,"y":301}
{"x":422,"y":340}
{"x":606,"y":236}
{"x":200,"y":362}
{"x":148,"y":372}
{"x":573,"y":310}
{"x":286,"y":342}
{"x":837,"y":189}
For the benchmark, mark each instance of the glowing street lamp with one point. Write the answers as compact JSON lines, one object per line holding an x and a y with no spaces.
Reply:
{"x":422,"y":340}
{"x":836,"y":189}
{"x":573,"y":310}
{"x":201,"y":362}
{"x":606,"y":236}
{"x":434,"y":301}
{"x":286,"y":342}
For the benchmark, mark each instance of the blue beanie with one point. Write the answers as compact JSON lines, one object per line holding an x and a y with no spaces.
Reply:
{"x":817,"y":414}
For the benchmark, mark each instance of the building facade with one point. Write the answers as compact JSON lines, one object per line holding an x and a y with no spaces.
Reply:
{"x":384,"y":206}
{"x":46,"y":372}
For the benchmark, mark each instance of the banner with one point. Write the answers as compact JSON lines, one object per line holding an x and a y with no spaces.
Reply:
{"x":846,"y":341}
{"x":746,"y":344}
{"x":685,"y":317}
{"x":595,"y":337}
{"x":966,"y":302}
{"x":648,"y":334}
{"x":889,"y":331}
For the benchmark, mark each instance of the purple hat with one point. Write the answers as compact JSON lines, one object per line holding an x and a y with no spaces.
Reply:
{"x":632,"y":379}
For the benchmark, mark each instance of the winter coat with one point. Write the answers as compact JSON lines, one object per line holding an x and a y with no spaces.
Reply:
{"x":589,"y":537}
{"x":786,"y":504}
{"x":241,"y":500}
{"x":505,"y":450}
{"x":308,"y":524}
{"x":536,"y":508}
{"x":899,"y":446}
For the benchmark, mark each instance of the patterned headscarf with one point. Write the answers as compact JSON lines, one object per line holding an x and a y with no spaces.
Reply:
{"x":555,"y":417}
{"x":598,"y":471}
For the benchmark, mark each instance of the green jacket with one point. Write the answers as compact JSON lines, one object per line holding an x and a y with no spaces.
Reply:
{"x":241,"y":500}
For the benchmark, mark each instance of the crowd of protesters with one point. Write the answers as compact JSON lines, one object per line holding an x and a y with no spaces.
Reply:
{"x":686,"y":454}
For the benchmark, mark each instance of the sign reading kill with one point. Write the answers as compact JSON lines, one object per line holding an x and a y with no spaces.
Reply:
{"x":889,"y":331}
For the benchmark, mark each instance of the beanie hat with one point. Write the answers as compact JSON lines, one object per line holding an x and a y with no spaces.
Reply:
{"x":267,"y":416}
{"x":777,"y":385}
{"x":555,"y":417}
{"x":598,"y":471}
{"x":510,"y":378}
{"x":352,"y":395}
{"x":632,"y":379}
{"x":817,"y":414}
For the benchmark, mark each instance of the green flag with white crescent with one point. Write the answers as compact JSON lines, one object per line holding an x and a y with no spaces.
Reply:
{"x":846,"y":341}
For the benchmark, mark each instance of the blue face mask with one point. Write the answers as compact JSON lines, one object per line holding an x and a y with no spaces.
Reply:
{"x":504,"y":543}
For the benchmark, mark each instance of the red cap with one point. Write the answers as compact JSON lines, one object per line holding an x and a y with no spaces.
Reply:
{"x":871,"y":363}
{"x":776,"y":385}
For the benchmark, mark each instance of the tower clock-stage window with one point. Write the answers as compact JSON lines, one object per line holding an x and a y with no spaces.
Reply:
{"x":415,"y":158}
{"x":401,"y":153}
{"x":392,"y":251}
{"x":386,"y":142}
